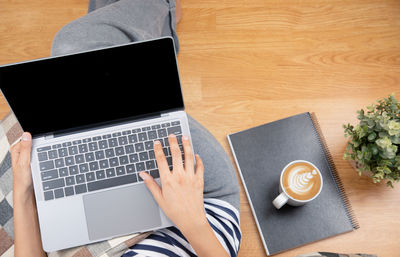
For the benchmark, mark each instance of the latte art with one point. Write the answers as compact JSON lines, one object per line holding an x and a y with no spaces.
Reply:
{"x":301,"y":181}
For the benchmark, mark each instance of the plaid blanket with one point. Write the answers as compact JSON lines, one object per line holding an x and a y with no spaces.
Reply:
{"x":10,"y":131}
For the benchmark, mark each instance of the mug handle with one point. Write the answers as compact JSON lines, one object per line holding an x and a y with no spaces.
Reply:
{"x":280,"y":200}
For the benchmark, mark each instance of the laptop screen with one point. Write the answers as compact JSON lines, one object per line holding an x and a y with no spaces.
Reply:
{"x":61,"y":93}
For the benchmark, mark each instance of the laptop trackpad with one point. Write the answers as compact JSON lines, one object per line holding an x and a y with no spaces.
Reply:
{"x":121,"y":211}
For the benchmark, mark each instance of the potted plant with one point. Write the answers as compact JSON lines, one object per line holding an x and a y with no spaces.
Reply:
{"x":374,"y":144}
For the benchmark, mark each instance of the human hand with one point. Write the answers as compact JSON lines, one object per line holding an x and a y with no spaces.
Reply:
{"x":27,"y":241}
{"x":181,"y":195}
{"x":20,"y":160}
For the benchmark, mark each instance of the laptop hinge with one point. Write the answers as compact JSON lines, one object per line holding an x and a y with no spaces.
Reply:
{"x":63,"y":133}
{"x":170,"y":113}
{"x":102,"y":125}
{"x":49,"y":136}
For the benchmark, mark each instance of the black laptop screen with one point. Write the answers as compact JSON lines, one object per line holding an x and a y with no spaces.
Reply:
{"x":94,"y":87}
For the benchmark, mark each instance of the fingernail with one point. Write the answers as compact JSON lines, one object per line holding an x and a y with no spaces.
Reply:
{"x":172,"y":135}
{"x":157,"y":142}
{"x":185,"y":138}
{"x":143,"y":175}
{"x":26,"y":136}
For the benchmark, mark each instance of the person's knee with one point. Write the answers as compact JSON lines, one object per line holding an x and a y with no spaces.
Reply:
{"x":67,"y":40}
{"x":220,"y":180}
{"x":226,"y":189}
{"x":83,"y":35}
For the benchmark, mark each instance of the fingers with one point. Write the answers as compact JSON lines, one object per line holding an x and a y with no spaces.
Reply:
{"x":187,"y":148}
{"x":15,"y":153}
{"x":21,"y":152}
{"x":25,"y":150}
{"x":199,"y":166}
{"x":161,"y":160}
{"x":153,"y":187}
{"x":175,"y":152}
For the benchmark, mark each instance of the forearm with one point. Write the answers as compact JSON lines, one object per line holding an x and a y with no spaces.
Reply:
{"x":203,"y":240}
{"x":27,"y":241}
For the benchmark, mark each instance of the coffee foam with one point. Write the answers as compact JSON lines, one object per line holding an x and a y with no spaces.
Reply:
{"x":301,"y":181}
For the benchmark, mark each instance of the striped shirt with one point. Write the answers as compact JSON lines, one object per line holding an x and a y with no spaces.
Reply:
{"x":223,"y":218}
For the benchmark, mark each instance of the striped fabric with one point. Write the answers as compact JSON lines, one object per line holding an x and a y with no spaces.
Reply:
{"x":224,"y":220}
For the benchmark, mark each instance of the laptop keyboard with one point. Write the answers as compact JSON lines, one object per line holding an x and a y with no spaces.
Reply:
{"x":103,"y":161}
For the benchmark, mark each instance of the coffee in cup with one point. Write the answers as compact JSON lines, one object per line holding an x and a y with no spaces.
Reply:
{"x":300,"y":182}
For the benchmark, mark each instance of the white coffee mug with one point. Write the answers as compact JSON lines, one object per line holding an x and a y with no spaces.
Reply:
{"x":284,"y":198}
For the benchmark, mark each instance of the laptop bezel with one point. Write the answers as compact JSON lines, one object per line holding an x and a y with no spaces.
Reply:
{"x":77,"y":129}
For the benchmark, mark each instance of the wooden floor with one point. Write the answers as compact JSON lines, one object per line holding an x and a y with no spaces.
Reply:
{"x":247,"y":62}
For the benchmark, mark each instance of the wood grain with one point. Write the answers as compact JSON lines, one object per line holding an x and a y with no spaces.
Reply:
{"x":247,"y":62}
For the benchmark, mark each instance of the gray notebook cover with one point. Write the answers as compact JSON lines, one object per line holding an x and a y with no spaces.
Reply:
{"x":261,"y":153}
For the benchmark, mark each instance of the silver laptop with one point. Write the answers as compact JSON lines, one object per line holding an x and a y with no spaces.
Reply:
{"x":94,"y":116}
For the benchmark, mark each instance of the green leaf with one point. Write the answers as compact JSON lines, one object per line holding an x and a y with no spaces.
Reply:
{"x":359,"y":155}
{"x":383,"y":143}
{"x":389,"y":152}
{"x":395,"y":139}
{"x":360,"y":114}
{"x":374,"y":149}
{"x":393,"y":128}
{"x":371,"y":108}
{"x":386,"y":170}
{"x":371,"y":123}
{"x":368,"y":155}
{"x":371,"y":137}
{"x":383,"y":134}
{"x":361,"y":131}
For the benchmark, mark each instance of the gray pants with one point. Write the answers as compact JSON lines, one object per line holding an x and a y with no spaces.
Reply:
{"x":117,"y":22}
{"x":113,"y":22}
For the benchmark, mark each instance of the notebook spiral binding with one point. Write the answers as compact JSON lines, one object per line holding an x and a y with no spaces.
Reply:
{"x":335,"y":173}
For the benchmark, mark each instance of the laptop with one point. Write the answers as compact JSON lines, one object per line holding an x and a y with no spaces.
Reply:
{"x":94,"y":116}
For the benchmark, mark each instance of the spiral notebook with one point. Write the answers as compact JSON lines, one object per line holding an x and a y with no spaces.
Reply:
{"x":261,"y":153}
